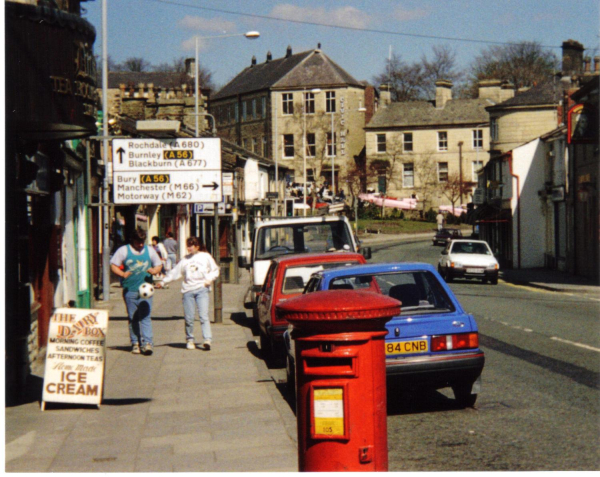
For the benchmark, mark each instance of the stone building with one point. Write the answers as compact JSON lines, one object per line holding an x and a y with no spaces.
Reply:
{"x":414,"y":148}
{"x":301,"y":107}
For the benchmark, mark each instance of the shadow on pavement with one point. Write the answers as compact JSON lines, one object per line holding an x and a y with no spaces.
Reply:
{"x":240,"y":318}
{"x":417,"y":402}
{"x":287,"y":395}
{"x":254,"y":349}
{"x":125,"y":401}
{"x":32,"y":393}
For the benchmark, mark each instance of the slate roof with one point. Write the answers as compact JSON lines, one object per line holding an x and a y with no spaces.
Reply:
{"x":158,"y":79}
{"x":424,"y":113}
{"x":311,"y":67}
{"x":542,"y":94}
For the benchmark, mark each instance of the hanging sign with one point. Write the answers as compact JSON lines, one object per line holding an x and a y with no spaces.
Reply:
{"x":75,"y":356}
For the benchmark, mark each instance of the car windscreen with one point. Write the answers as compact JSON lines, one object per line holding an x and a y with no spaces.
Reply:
{"x":419,"y":291}
{"x":296,"y":278}
{"x":301,"y":238}
{"x":477,"y":248}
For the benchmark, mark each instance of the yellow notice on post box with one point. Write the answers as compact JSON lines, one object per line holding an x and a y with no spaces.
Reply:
{"x":328,"y":407}
{"x":75,"y":356}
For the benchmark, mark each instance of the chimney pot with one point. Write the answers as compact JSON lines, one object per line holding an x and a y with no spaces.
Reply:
{"x":572,"y":58}
{"x":288,"y":52}
{"x":269,"y":56}
{"x":443,"y":92}
{"x":253,"y":62}
{"x":596,"y":64}
{"x":587,"y":63}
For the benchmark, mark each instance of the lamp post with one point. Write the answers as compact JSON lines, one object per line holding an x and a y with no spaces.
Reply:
{"x":314,"y":90}
{"x":333,"y":152}
{"x":218,"y":296}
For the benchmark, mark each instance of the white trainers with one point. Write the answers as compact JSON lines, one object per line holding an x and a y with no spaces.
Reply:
{"x":207,"y":345}
{"x":190,"y":345}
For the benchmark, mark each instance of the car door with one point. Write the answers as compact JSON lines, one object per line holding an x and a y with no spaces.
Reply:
{"x":265,"y":297}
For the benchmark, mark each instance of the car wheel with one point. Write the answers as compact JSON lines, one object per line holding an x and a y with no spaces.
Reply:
{"x":291,"y":379}
{"x":463,"y":396}
{"x":484,"y":280}
{"x":447,"y":276}
{"x":495,"y":281}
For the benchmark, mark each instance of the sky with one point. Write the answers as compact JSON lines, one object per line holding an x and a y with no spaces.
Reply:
{"x":161,"y":31}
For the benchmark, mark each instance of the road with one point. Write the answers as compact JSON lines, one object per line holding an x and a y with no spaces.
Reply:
{"x":539,"y":405}
{"x":539,"y":408}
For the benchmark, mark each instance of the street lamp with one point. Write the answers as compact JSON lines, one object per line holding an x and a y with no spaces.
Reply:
{"x":314,"y":90}
{"x":218,"y":295}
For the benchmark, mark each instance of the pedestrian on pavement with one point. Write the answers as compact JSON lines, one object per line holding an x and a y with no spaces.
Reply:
{"x":162,"y":253}
{"x":440,"y":220}
{"x":198,"y":270}
{"x":138,"y":262}
{"x":172,"y":247}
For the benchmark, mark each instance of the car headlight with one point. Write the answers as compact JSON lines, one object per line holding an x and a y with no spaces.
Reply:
{"x":492,"y":266}
{"x":455,"y":265}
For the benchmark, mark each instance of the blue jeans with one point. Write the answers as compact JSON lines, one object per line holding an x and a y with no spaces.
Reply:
{"x":139,"y":311}
{"x":172,"y":257}
{"x":200,"y":299}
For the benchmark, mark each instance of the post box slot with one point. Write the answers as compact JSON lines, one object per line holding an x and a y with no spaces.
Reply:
{"x":329,"y":366}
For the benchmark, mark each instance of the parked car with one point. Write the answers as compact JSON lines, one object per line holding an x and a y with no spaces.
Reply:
{"x":286,"y":278}
{"x":432,"y":344}
{"x":468,"y":259}
{"x":444,"y":236}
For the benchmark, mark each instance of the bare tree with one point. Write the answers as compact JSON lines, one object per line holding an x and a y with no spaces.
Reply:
{"x":522,"y":64}
{"x":387,"y":167}
{"x":178,"y":66}
{"x":426,"y":180}
{"x":452,"y":189}
{"x":441,"y":66}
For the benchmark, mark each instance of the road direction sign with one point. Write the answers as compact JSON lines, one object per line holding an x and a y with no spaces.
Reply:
{"x":167,"y":171}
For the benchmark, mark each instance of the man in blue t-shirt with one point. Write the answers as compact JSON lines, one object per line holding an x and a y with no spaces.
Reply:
{"x":134,"y":263}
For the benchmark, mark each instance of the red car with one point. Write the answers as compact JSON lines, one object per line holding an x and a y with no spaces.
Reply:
{"x":286,"y":279}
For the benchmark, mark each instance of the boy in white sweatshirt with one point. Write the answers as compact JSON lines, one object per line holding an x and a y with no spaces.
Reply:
{"x":198,"y":270}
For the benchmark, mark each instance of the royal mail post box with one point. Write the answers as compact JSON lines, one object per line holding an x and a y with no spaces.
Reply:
{"x":341,"y":383}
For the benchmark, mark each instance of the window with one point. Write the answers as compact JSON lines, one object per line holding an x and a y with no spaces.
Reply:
{"x":264,"y":107}
{"x":442,"y":172}
{"x":477,"y":138}
{"x":288,"y":103}
{"x":236,"y":107}
{"x":442,"y":141}
{"x":244,"y":110}
{"x":381,"y":145}
{"x":494,"y":129}
{"x":255,"y":145}
{"x":381,"y":184}
{"x":265,"y":152}
{"x":331,"y":148}
{"x":309,"y":103}
{"x":408,"y":175}
{"x":288,"y":145}
{"x":246,"y":143}
{"x":330,"y":101}
{"x":408,"y":142}
{"x":476,"y":165}
{"x":311,"y":146}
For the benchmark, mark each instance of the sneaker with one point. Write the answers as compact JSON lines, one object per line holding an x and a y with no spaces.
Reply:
{"x":135,"y":348}
{"x":147,"y":349}
{"x":207,"y":345}
{"x":190,"y":345}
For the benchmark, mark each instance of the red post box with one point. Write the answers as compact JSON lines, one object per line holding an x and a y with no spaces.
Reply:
{"x":340,"y":370}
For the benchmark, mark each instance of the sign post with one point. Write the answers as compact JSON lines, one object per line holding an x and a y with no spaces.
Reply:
{"x":167,"y":171}
{"x":75,"y":356}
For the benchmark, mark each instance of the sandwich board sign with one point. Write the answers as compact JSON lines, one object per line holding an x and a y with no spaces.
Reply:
{"x":75,"y":356}
{"x":167,"y":171}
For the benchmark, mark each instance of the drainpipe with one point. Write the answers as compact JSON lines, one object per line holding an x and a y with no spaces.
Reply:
{"x":515,"y":176}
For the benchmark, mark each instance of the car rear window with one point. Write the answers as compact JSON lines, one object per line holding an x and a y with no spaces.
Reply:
{"x":419,"y":291}
{"x":296,"y":278}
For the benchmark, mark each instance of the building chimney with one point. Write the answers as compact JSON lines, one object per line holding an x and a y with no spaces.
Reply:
{"x":596,"y":65}
{"x":385,"y":96}
{"x":443,"y":92}
{"x":288,"y":52}
{"x":269,"y":56}
{"x":253,"y":62}
{"x":572,"y":58}
{"x":507,"y":91}
{"x":490,"y":89}
{"x":190,"y":67}
{"x":587,"y":64}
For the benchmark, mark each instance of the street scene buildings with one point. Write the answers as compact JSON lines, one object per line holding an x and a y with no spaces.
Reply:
{"x":518,"y":164}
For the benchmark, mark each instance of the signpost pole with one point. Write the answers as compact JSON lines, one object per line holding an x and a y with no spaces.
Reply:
{"x":218,"y":281}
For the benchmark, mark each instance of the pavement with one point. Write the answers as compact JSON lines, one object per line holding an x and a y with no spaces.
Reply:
{"x":175,"y":411}
{"x":180,"y":410}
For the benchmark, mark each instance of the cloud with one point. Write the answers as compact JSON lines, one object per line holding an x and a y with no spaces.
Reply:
{"x":404,"y":14}
{"x":343,"y":16}
{"x":214,"y":25}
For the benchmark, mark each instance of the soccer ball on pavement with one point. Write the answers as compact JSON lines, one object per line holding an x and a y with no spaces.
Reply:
{"x":146,"y":290}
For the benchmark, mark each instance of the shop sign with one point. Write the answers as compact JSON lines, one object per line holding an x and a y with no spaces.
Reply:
{"x":75,"y":356}
{"x":582,"y":124}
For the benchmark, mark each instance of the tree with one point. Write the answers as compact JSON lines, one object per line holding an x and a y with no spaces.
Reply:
{"x":416,"y":81}
{"x":134,"y":64}
{"x":522,"y":64}
{"x":178,"y":66}
{"x":453,"y":189}
{"x":387,"y":167}
{"x":426,"y":179}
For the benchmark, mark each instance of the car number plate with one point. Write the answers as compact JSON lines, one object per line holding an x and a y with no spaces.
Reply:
{"x":406,"y":347}
{"x":474,"y":270}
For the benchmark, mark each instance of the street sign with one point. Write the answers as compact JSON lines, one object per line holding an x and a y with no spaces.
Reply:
{"x":228,"y":183}
{"x":209,"y":208}
{"x":167,"y":171}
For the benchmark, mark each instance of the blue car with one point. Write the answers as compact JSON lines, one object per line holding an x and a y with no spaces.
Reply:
{"x":432,"y":344}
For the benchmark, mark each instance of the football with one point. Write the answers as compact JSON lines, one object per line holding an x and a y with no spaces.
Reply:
{"x":146,"y":290}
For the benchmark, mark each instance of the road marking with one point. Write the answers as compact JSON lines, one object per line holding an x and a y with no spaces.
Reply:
{"x":580,"y":345}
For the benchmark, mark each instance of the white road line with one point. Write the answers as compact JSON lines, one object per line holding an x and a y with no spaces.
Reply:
{"x":580,"y":345}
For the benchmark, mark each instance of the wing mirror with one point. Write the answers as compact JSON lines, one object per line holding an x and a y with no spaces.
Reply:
{"x":366,"y":252}
{"x":243,"y":262}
